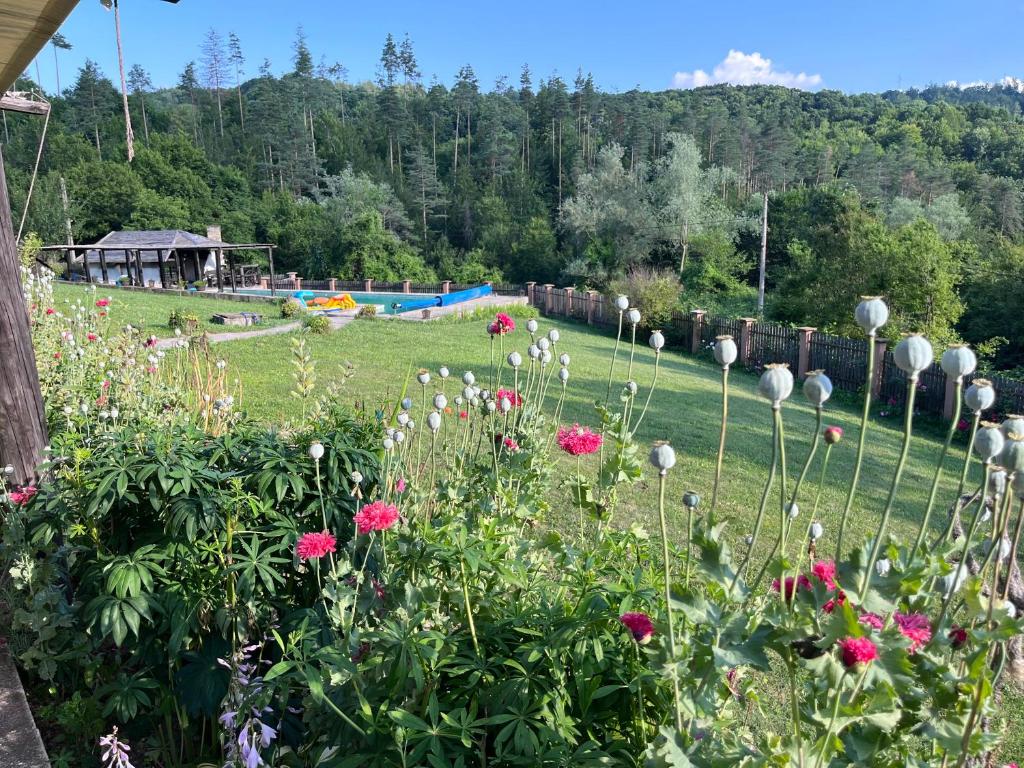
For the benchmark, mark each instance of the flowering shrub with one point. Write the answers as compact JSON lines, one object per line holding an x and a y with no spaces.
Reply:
{"x":380,"y":588}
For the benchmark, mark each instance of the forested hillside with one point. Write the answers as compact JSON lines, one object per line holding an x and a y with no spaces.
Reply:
{"x":918,"y":194}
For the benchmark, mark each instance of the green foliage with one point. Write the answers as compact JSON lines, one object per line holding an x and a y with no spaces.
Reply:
{"x":183,"y":320}
{"x":29,"y":250}
{"x":655,"y":293}
{"x":318,"y":324}
{"x":292,"y":308}
{"x":367,"y":311}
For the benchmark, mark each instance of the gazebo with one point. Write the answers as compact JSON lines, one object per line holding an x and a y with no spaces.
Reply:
{"x":165,"y":257}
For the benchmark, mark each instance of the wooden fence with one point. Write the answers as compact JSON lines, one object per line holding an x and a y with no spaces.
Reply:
{"x":803,"y":349}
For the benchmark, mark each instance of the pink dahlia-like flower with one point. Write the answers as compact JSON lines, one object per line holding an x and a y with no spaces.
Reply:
{"x":957,"y":636}
{"x":857,"y":650}
{"x":312,"y":546}
{"x":872,"y":620}
{"x":103,"y":302}
{"x":792,"y":582}
{"x":50,"y":311}
{"x":579,"y":441}
{"x":825,"y":572}
{"x":91,"y":336}
{"x":378,"y":516}
{"x":640,"y":625}
{"x":502,"y":324}
{"x":463,"y":415}
{"x":511,"y":444}
{"x":833,"y":435}
{"x":23,"y":495}
{"x":916,"y":627}
{"x":832,"y":604}
{"x":513,"y":397}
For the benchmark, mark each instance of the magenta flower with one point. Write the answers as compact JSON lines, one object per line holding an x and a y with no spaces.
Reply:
{"x":916,"y":627}
{"x":513,"y":397}
{"x":313,"y":546}
{"x":872,"y":620}
{"x":378,"y":516}
{"x":825,"y":572}
{"x":792,"y":583}
{"x":857,"y":650}
{"x":579,"y":441}
{"x":640,"y":625}
{"x":502,"y":324}
{"x":400,"y":485}
{"x":23,"y":495}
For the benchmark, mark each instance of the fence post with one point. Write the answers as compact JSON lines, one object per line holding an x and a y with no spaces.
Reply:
{"x":529,"y":292}
{"x":368,"y":285}
{"x":298,"y":283}
{"x":332,"y":284}
{"x":697,"y":331}
{"x":407,"y":286}
{"x":591,"y":301}
{"x":446,"y":286}
{"x":804,"y":355}
{"x":949,"y":401}
{"x":264,"y":283}
{"x":548,"y":298}
{"x":879,"y":377}
{"x":567,"y":309}
{"x":745,"y":333}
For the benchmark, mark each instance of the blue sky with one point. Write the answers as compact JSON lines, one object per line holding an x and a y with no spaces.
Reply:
{"x":850,"y":46}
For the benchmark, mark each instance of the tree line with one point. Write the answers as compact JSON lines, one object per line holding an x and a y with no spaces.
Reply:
{"x":914,"y":192}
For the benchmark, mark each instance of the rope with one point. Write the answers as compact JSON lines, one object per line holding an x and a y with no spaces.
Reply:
{"x":35,"y":171}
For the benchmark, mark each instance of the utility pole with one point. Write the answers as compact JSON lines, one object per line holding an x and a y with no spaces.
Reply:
{"x":67,"y":211}
{"x":764,"y":256}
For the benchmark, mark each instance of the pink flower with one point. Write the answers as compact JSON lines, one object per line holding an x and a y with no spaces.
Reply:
{"x":502,"y":324}
{"x":957,"y":636}
{"x":151,"y":369}
{"x":640,"y":625}
{"x":315,"y":545}
{"x":105,"y":384}
{"x":56,"y":355}
{"x":50,"y":310}
{"x":378,"y":589}
{"x":792,"y":583}
{"x":91,"y":336}
{"x":400,"y":485}
{"x":511,"y":444}
{"x":103,"y":302}
{"x":513,"y":397}
{"x":579,"y":441}
{"x":963,"y":425}
{"x":463,"y":415}
{"x":916,"y":627}
{"x":838,"y":600}
{"x":378,"y":516}
{"x":23,"y":495}
{"x":151,"y":341}
{"x":872,"y":620}
{"x":833,"y":435}
{"x":825,"y":572}
{"x":857,"y":650}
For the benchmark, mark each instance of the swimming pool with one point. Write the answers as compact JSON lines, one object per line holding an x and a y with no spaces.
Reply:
{"x":406,"y":302}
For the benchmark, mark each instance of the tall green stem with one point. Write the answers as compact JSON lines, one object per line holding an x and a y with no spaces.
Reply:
{"x":876,"y":547}
{"x":855,"y":479}
{"x":654,"y":383}
{"x":469,"y":606}
{"x":611,"y":368}
{"x":975,"y":422}
{"x":721,"y":437}
{"x":764,"y":500}
{"x":938,"y":468}
{"x":667,"y":566}
{"x":1013,"y":549}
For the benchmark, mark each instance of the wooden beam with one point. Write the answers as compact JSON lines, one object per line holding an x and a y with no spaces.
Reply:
{"x":85,"y":265}
{"x":177,"y":260}
{"x":103,"y":268}
{"x":138,"y":268}
{"x":69,"y":260}
{"x":218,"y":255}
{"x":270,"y":255}
{"x":231,"y":270}
{"x":160,"y":267}
{"x":18,"y":102}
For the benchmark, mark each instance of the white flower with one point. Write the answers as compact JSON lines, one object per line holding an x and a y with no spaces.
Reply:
{"x":84,"y":408}
{"x":220,"y":365}
{"x":356,"y":476}
{"x":316,"y":451}
{"x":883,"y":566}
{"x":113,"y":413}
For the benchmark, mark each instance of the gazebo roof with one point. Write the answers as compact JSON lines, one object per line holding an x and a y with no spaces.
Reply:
{"x":154,"y":239}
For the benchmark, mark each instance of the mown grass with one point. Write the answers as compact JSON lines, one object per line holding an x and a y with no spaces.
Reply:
{"x":150,"y":311}
{"x":685,"y":409}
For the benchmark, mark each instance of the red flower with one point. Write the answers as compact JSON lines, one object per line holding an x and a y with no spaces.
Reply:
{"x":315,"y":545}
{"x":957,"y":636}
{"x":378,"y":589}
{"x":513,"y":397}
{"x":963,"y":425}
{"x":579,"y":441}
{"x":50,"y":311}
{"x":378,"y":516}
{"x":56,"y":355}
{"x":463,"y":415}
{"x":792,"y":583}
{"x":151,"y":341}
{"x":640,"y":625}
{"x":511,"y":444}
{"x":915,"y":627}
{"x":825,"y":572}
{"x":838,"y":600}
{"x":103,"y":314}
{"x":151,"y":369}
{"x":857,"y":650}
{"x":833,"y":435}
{"x":502,"y":324}
{"x":872,"y":620}
{"x":101,"y":400}
{"x":91,"y":336}
{"x":105,"y":384}
{"x":23,"y":495}
{"x":103,"y":303}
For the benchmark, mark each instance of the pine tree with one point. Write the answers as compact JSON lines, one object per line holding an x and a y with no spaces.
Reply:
{"x":427,"y":192}
{"x":213,"y":70}
{"x":139,"y":83}
{"x":407,"y":61}
{"x":189,"y":83}
{"x":59,"y":42}
{"x":237,"y":60}
{"x":390,"y":106}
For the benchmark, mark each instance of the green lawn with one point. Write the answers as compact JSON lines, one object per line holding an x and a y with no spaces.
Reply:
{"x":149,"y":311}
{"x":685,"y":409}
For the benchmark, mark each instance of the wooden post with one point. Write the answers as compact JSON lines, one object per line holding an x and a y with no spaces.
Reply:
{"x":446,"y":286}
{"x":879,"y":377}
{"x":200,"y":275}
{"x":332,"y":284}
{"x":218,"y":256}
{"x":231,"y":270}
{"x":591,"y":301}
{"x":763,"y":258}
{"x":160,"y":267}
{"x":548,"y":297}
{"x":567,"y":308}
{"x":103,"y":267}
{"x":177,"y":260}
{"x":407,"y":286}
{"x":746,"y":331}
{"x":85,"y":265}
{"x":368,"y":285}
{"x":804,"y":354}
{"x":69,"y":259}
{"x":697,"y":331}
{"x":529,"y":292}
{"x":270,"y":258}
{"x":22,"y":420}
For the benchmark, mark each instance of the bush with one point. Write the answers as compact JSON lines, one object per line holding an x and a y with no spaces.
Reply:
{"x":655,"y":293}
{"x":183,"y":320}
{"x":367,"y":311}
{"x":318,"y":324}
{"x":199,"y":285}
{"x":292,"y":308}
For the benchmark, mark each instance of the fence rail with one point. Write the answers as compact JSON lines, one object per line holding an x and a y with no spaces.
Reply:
{"x":803,"y":349}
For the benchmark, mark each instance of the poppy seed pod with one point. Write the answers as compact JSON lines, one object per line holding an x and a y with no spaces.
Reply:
{"x":691,"y":499}
{"x":407,"y":403}
{"x":444,"y":373}
{"x":474,"y":401}
{"x":980,"y":396}
{"x":491,"y":406}
{"x":662,"y":457}
{"x":388,"y":444}
{"x":356,"y":476}
{"x":564,"y":358}
{"x":563,"y":375}
{"x":988,"y":443}
{"x":622,"y":303}
{"x":515,"y":359}
{"x":817,"y":530}
{"x":657,"y":340}
{"x":533,"y":351}
{"x":1012,"y":455}
{"x":531,"y":326}
{"x":725,"y":351}
{"x":440,"y":401}
{"x":913,"y":354}
{"x":468,"y":379}
{"x":776,"y":383}
{"x":316,"y":451}
{"x":793,"y":510}
{"x":631,"y":387}
{"x":997,"y":481}
{"x":403,"y":418}
{"x":545,"y":358}
{"x":485,"y":394}
{"x":817,"y":388}
{"x":423,"y":377}
{"x":871,"y":314}
{"x":433,"y":421}
{"x":468,"y":393}
{"x":554,"y":335}
{"x":633,"y":315}
{"x":399,"y":436}
{"x":506,"y":405}
{"x":958,"y":361}
{"x":1013,"y":423}
{"x":543,"y":344}
{"x":411,"y":425}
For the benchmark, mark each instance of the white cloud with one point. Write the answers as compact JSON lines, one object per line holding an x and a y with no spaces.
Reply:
{"x":739,"y":68}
